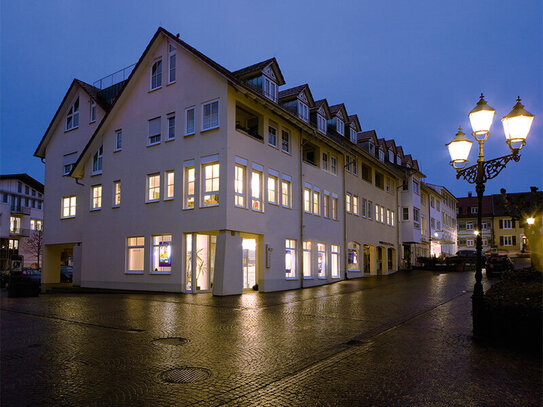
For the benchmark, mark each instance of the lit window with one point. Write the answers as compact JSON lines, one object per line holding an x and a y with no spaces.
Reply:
{"x":14,"y":225}
{"x":326,"y":205}
{"x":256,"y":191}
{"x":92,"y":112}
{"x":68,"y":207}
{"x":72,"y":118}
{"x":210,"y":115}
{"x":273,"y":193}
{"x":190,"y":180}
{"x":370,"y":209}
{"x":154,"y":131}
{"x":340,"y":126}
{"x":171,"y":127}
{"x":96,"y":197}
{"x":334,"y":208}
{"x":135,"y":248}
{"x":290,"y":258}
{"x":388,"y":216}
{"x":189,"y":121}
{"x":321,"y":123}
{"x":348,"y":203}
{"x":334,"y":260}
{"x":97,"y":161}
{"x":161,"y":254}
{"x":353,"y":256}
{"x":13,"y":244}
{"x":171,"y":62}
{"x":355,"y":205}
{"x":391,"y":218}
{"x":316,"y":202}
{"x":285,"y":193}
{"x":156,"y":75}
{"x":116,"y":193}
{"x":272,"y":135}
{"x":239,"y":186}
{"x":303,"y":111}
{"x":169,"y":181}
{"x":321,"y":260}
{"x":307,"y":200}
{"x":285,"y":141}
{"x":307,"y":259}
{"x":382,"y":214}
{"x":118,"y":140}
{"x":211,"y":184}
{"x":153,"y":187}
{"x":377,"y":219}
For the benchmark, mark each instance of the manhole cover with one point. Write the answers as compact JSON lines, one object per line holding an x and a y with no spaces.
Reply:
{"x":185,"y":374}
{"x":170,"y":341}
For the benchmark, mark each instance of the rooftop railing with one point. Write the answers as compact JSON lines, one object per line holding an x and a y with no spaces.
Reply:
{"x":114,"y":78}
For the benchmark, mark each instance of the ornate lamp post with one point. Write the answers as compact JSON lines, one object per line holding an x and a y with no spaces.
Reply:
{"x":516,"y":126}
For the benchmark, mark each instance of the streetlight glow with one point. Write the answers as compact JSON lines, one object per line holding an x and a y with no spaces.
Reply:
{"x":530,"y":221}
{"x":459,"y":148}
{"x":516,"y":125}
{"x":481,"y":117}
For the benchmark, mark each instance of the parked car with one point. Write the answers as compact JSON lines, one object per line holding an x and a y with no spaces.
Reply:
{"x":464,"y":259}
{"x":66,"y":273}
{"x":33,"y":274}
{"x":497,"y":264}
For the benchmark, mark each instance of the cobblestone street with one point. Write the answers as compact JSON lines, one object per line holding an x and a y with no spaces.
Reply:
{"x":399,"y":340}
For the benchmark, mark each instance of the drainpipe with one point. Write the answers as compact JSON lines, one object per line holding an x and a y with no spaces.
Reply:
{"x":397,"y":223}
{"x":301,"y":250}
{"x":345,"y":218}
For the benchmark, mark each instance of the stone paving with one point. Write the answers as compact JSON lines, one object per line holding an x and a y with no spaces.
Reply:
{"x":399,"y":340}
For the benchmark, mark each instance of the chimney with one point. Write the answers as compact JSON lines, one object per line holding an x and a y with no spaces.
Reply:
{"x":469,"y":194}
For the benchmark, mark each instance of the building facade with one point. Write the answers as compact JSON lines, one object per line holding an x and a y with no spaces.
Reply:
{"x":21,"y":216}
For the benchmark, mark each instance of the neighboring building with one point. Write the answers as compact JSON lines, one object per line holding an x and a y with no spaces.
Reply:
{"x":509,"y":234}
{"x":21,"y":213}
{"x":193,"y":178}
{"x":441,"y":206}
{"x":467,"y":223}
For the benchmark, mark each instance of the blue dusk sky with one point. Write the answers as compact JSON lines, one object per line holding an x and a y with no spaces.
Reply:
{"x":411,"y":70}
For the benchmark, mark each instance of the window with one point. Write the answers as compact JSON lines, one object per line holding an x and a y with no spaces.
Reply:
{"x":353,"y":256}
{"x":210,"y":115}
{"x":326,"y":205}
{"x":364,"y":207}
{"x":153,"y":187}
{"x":171,"y":62}
{"x":72,"y":118}
{"x":20,"y":187}
{"x":321,"y":123}
{"x":273,"y":192}
{"x":96,"y":197}
{"x":438,"y":205}
{"x":355,"y":205}
{"x":189,"y":121}
{"x":161,"y":254}
{"x":97,"y":161}
{"x":190,"y":180}
{"x":239,"y":185}
{"x":35,"y":224}
{"x":272,"y":135}
{"x":366,"y":173}
{"x":333,"y":165}
{"x":256,"y":191}
{"x":334,"y":208}
{"x":67,"y":169}
{"x":290,"y":258}
{"x":211,"y":184}
{"x":348,"y":163}
{"x":303,"y":111}
{"x":169,"y":182}
{"x":334,"y":260}
{"x":469,"y":225}
{"x":14,"y":224}
{"x":389,"y":186}
{"x":469,"y":242}
{"x":118,"y":140}
{"x":325,"y":161}
{"x":355,"y":166}
{"x":438,"y":225}
{"x":307,"y":200}
{"x":416,"y":215}
{"x":432,"y":223}
{"x":116,"y":193}
{"x":508,"y":240}
{"x":388,"y":217}
{"x":92,"y":112}
{"x":416,"y":187}
{"x":391,"y":156}
{"x":135,"y":247}
{"x":307,"y":259}
{"x":340,"y":126}
{"x":348,"y":203}
{"x":156,"y":75}
{"x":13,"y":244}
{"x":405,"y":214}
{"x":171,"y":127}
{"x":381,"y":155}
{"x":506,"y":224}
{"x":285,"y":141}
{"x":316,"y":203}
{"x":154,"y":131}
{"x":379,"y":180}
{"x":68,"y":207}
{"x":285,"y":193}
{"x":353,"y":135}
{"x":473,"y":209}
{"x":270,"y":89}
{"x":321,"y":260}
{"x":432,"y":202}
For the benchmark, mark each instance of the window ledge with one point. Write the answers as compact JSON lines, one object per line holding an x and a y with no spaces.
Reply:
{"x":96,"y":173}
{"x":273,"y":203}
{"x":115,"y":206}
{"x":171,"y":83}
{"x":322,"y":278}
{"x":190,"y":134}
{"x":153,"y":89}
{"x":152,"y":201}
{"x":92,"y":121}
{"x":211,"y":128}
{"x":291,"y":278}
{"x":209,"y":206}
{"x":95,"y":209}
{"x":140,"y":272}
{"x":158,"y":273}
{"x":286,"y":152}
{"x":188,"y":209}
{"x":308,"y":278}
{"x":153,"y":144}
{"x":72,"y":129}
{"x":68,"y":217}
{"x":169,"y":199}
{"x":117,"y":150}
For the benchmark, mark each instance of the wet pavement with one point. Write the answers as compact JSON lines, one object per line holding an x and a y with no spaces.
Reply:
{"x":399,"y":340}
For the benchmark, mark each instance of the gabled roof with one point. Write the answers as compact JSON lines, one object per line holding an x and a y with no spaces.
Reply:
{"x":391,"y":145}
{"x":95,"y":94}
{"x":465,"y":203}
{"x":353,"y":121}
{"x":322,"y":103}
{"x":382,"y":144}
{"x":399,"y":150}
{"x":27,"y":179}
{"x":259,"y":68}
{"x":367,"y":135}
{"x":296,"y":92}
{"x":335,"y":109}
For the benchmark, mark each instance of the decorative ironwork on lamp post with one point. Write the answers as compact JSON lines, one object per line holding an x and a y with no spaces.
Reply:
{"x":516,"y":126}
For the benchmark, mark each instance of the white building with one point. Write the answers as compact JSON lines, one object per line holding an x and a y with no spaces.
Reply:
{"x":442,"y":220}
{"x":188,"y":177}
{"x":21,"y":214}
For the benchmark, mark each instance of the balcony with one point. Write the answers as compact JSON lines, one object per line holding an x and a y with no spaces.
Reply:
{"x":116,"y":77}
{"x":19,"y":232}
{"x":20,"y":210}
{"x":248,"y":122}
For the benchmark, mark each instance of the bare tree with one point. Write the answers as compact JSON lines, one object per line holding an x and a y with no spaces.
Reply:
{"x":34,"y":245}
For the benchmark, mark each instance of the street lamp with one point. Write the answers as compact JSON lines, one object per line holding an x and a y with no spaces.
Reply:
{"x":516,"y":126}
{"x":530,"y":221}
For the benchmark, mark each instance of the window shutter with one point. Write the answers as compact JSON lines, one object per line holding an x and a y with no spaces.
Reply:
{"x":154,"y":127}
{"x":514,"y":240}
{"x":501,"y":239}
{"x":501,"y":223}
{"x":513,"y":224}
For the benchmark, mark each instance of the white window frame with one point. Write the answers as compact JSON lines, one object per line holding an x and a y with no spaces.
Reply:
{"x":307,"y":199}
{"x":507,"y":224}
{"x":152,"y":189}
{"x":170,"y":121}
{"x":187,"y":170}
{"x":131,"y":246}
{"x":257,"y":201}
{"x":333,"y":164}
{"x":286,"y":198}
{"x":326,"y":205}
{"x":72,"y":207}
{"x":92,"y":112}
{"x":240,"y":188}
{"x":97,"y":161}
{"x":340,"y":126}
{"x":321,"y":260}
{"x":334,"y":261}
{"x":96,"y":197}
{"x":211,"y":125}
{"x":72,"y":117}
{"x":321,"y":123}
{"x":213,"y":191}
{"x":352,"y":135}
{"x":356,"y":207}
{"x":154,"y":135}
{"x":155,"y":76}
{"x":405,"y":214}
{"x":324,"y":163}
{"x":290,"y":251}
{"x":118,"y":140}
{"x":273,"y":187}
{"x":353,"y":247}
{"x":116,"y":194}
{"x":364,"y":207}
{"x":166,"y":269}
{"x":169,"y":181}
{"x":333,"y":207}
{"x":273,"y":126}
{"x":316,"y":202}
{"x":303,"y":111}
{"x":306,"y":259}
{"x":172,"y":66}
{"x":286,"y":133}
{"x":348,"y":202}
{"x":270,"y":89}
{"x":188,"y":132}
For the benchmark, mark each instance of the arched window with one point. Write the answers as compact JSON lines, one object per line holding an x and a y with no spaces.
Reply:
{"x":97,"y":161}
{"x":353,"y":256}
{"x":72,"y":118}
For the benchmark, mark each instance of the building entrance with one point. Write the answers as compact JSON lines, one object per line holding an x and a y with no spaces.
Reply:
{"x":249,"y":263}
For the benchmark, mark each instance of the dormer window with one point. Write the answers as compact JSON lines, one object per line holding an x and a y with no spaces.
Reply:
{"x":72,"y":118}
{"x":381,"y":155}
{"x":321,"y":123}
{"x":303,"y":111}
{"x":391,"y":156}
{"x":340,"y":126}
{"x":97,"y":161}
{"x":353,"y":135}
{"x":372,"y":148}
{"x":270,"y":89}
{"x":156,"y":75}
{"x":398,"y":160}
